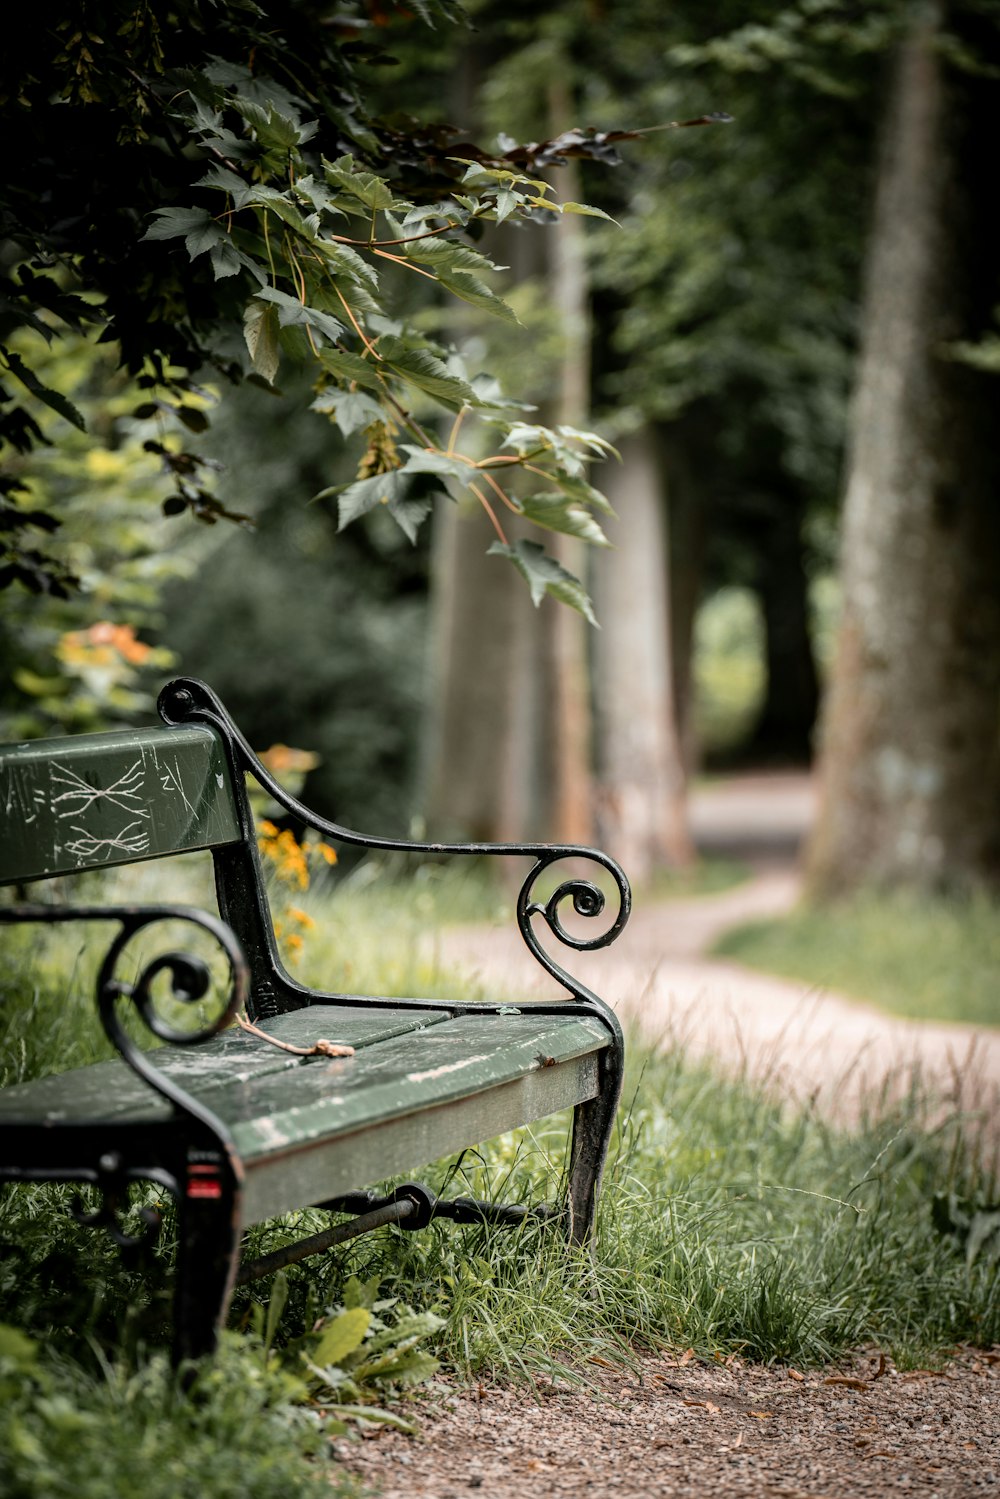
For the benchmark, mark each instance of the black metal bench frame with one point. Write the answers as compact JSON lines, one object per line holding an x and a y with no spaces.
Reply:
{"x":190,"y":1153}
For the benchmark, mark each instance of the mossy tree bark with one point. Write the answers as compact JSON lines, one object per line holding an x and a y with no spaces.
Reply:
{"x":910,"y":787}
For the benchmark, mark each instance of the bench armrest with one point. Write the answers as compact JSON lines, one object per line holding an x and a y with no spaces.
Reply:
{"x":188,"y":700}
{"x":189,"y":979}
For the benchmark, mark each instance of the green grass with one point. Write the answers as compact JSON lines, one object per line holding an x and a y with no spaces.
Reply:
{"x":730,"y":1221}
{"x":932,"y":958}
{"x":68,"y":1431}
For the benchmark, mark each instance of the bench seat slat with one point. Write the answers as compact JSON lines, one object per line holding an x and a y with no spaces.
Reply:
{"x":469,"y":1054}
{"x":439,"y":1083}
{"x":405,"y":1102}
{"x":110,"y":1090}
{"x":91,"y":800}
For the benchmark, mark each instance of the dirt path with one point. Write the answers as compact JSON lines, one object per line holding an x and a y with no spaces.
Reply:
{"x":672,"y":1427}
{"x":811,"y":1042}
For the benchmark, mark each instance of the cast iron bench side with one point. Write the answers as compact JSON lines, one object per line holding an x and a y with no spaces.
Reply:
{"x":198,"y":763}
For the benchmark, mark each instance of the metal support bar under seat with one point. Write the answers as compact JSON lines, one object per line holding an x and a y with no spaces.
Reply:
{"x":411,"y":1206}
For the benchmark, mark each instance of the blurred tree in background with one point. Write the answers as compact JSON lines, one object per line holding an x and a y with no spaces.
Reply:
{"x":208,"y":188}
{"x":912,"y":751}
{"x":712,"y":335}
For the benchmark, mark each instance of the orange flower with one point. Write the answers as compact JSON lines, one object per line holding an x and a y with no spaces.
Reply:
{"x":281,"y":759}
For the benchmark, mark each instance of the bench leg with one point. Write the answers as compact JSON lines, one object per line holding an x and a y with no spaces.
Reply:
{"x":593,"y":1123}
{"x":208,"y":1236}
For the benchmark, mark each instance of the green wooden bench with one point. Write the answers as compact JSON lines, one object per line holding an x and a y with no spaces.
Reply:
{"x":235,"y":1128}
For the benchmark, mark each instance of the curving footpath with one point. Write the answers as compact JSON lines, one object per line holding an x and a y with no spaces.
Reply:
{"x":812,"y":1043}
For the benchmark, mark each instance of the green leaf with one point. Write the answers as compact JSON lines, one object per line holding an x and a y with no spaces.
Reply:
{"x":586,"y":208}
{"x":362,"y":496}
{"x":274,"y":202}
{"x":16,"y":1346}
{"x":53,"y":398}
{"x":177,"y":223}
{"x":361,"y":1292}
{"x":206,"y":237}
{"x":193,"y":418}
{"x":597,"y":444}
{"x":557,"y":513}
{"x":318,"y":194}
{"x":374,"y":192}
{"x":378,"y":1417}
{"x":260,"y":329}
{"x":226,"y":181}
{"x":543,"y":574}
{"x":447,"y":255}
{"x":578,"y":489}
{"x":490,"y":393}
{"x":414,"y":1367}
{"x":344,"y":261}
{"x":293,"y":313}
{"x":344,"y":365}
{"x":228,"y":261}
{"x":274,"y":130}
{"x":421,"y":368}
{"x":424,"y":461}
{"x":507,"y":203}
{"x":410,"y":515}
{"x":463,"y":284}
{"x":275,"y":1307}
{"x":345,"y":1333}
{"x":408,"y":1328}
{"x":350,"y":409}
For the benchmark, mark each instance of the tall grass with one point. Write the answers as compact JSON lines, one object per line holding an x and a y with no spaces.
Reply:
{"x":928,"y":957}
{"x":730,"y":1221}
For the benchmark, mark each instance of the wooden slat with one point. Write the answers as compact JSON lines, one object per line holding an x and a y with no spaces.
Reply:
{"x":310,"y":1129}
{"x":462,"y":1056}
{"x":91,"y":800}
{"x":407,"y":1101}
{"x":325,"y":1168}
{"x":108,"y":1090}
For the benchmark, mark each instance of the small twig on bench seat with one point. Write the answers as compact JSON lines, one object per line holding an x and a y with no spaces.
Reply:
{"x":321,"y":1048}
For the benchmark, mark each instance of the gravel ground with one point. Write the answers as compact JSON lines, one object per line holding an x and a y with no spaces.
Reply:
{"x":672,"y":1426}
{"x":676,"y":1427}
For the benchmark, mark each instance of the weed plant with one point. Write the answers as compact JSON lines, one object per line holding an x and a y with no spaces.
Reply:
{"x":731,"y":1222}
{"x":929,"y":957}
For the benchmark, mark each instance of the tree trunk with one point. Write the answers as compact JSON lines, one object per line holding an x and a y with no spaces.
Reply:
{"x":787,"y":719}
{"x":480,"y":776}
{"x":569,"y":736}
{"x":641,"y":798}
{"x":910,"y":746}
{"x":685,"y":457}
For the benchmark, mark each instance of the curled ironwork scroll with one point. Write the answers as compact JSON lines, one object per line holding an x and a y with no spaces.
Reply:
{"x":587,"y":900}
{"x":188,"y":700}
{"x":190,"y":980}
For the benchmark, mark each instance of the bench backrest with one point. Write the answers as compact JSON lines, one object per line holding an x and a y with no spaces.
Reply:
{"x":92,"y":800}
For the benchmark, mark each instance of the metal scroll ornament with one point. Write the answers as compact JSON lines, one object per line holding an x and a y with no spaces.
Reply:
{"x":190,"y":980}
{"x":588,"y":900}
{"x":188,"y":700}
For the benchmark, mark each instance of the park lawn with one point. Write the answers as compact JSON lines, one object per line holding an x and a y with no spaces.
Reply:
{"x":929,"y":958}
{"x":731,"y":1222}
